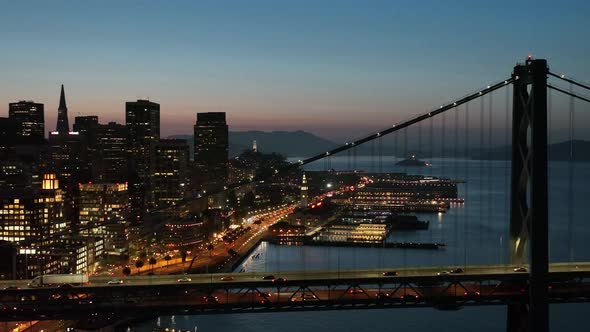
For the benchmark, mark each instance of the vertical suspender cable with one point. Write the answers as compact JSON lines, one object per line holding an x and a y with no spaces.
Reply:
{"x":443,"y":145}
{"x":481,"y":155}
{"x":506,"y":213}
{"x":490,"y":158}
{"x":571,"y":175}
{"x":373,"y":156}
{"x":348,"y":161}
{"x":406,"y":148}
{"x":431,"y":145}
{"x":467,"y":180}
{"x":395,"y":148}
{"x":459,"y":216}
{"x":380,"y":154}
{"x":420,"y":138}
{"x":354,"y":158}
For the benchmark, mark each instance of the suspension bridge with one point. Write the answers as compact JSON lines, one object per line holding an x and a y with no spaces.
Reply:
{"x":526,"y":282}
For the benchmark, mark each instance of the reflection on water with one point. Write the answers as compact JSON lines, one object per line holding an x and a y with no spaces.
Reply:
{"x":474,"y":233}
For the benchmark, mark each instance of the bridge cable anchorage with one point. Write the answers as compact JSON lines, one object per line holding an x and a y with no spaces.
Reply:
{"x":569,"y":80}
{"x":571,"y":94}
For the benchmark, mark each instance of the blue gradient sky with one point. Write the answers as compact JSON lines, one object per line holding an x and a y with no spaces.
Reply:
{"x":337,"y":68}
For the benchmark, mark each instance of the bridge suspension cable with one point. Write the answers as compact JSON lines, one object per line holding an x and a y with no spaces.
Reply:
{"x":569,"y":80}
{"x":569,"y":93}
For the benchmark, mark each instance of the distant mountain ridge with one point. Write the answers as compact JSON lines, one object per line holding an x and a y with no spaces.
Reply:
{"x":289,"y":143}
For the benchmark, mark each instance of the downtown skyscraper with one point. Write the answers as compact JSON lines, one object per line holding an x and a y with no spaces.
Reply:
{"x":29,"y":119}
{"x":168,"y":172}
{"x":142,"y":118}
{"x":211,"y":151}
{"x":63,"y":124}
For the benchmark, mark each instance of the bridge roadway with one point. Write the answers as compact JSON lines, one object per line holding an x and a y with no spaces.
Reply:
{"x":302,"y":290}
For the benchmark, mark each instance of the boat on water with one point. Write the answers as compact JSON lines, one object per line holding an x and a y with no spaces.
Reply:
{"x":412,"y":160}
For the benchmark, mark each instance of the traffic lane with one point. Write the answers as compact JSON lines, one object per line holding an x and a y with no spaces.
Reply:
{"x":314,"y":275}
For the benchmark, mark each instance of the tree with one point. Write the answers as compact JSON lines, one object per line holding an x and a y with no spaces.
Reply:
{"x":138,"y":264}
{"x":126,"y":271}
{"x":167,"y":258}
{"x":152,"y":262}
{"x":142,"y":255}
{"x":183,"y":255}
{"x":210,"y":247}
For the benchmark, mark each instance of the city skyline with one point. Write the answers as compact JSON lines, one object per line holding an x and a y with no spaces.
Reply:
{"x":309,"y":72}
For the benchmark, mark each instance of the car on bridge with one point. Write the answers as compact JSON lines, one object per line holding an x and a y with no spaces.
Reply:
{"x":227,"y":278}
{"x":382,"y":296}
{"x":443,"y":273}
{"x":303,"y":297}
{"x":409,"y":298}
{"x":268,"y":277}
{"x":472,"y":293}
{"x":184,"y":279}
{"x":115,"y":282}
{"x":11,"y":288}
{"x":279,"y":280}
{"x":261,"y":294}
{"x":520,"y":269}
{"x":210,"y":299}
{"x":457,"y":270}
{"x":390,"y":273}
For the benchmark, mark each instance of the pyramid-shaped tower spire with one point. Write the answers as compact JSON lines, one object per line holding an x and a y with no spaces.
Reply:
{"x":63,"y":125}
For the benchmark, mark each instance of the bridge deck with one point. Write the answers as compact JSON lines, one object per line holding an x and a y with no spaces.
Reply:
{"x":303,"y":290}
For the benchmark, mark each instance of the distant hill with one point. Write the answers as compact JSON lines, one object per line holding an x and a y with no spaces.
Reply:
{"x":557,"y":151}
{"x":289,"y":143}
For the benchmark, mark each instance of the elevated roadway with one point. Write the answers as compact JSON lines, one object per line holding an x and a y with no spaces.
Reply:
{"x":299,"y":290}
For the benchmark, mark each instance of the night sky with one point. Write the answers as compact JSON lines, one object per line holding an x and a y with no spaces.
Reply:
{"x":336,"y":68}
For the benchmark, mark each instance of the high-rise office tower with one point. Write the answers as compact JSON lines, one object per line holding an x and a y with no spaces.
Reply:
{"x":29,"y":118}
{"x":86,"y":127}
{"x":211,"y":150}
{"x":63,"y":124}
{"x":110,"y":160}
{"x":168,"y":173}
{"x":7,"y":134}
{"x":142,"y":118}
{"x":69,"y":159}
{"x":105,"y":203}
{"x":34,"y":214}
